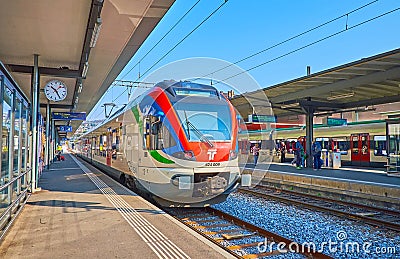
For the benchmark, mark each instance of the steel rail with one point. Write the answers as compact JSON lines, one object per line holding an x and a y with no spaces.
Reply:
{"x":196,"y":225}
{"x":373,"y":221}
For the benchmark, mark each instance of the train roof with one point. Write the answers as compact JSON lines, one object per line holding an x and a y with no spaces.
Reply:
{"x":181,"y":89}
{"x":176,"y":91}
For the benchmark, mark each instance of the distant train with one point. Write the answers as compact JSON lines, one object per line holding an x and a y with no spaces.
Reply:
{"x":360,"y":143}
{"x":177,"y":142}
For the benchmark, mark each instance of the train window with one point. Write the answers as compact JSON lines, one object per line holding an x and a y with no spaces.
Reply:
{"x":166,"y":140}
{"x":364,"y":143}
{"x":290,"y":145}
{"x":153,"y":133}
{"x":380,"y":146}
{"x":355,"y":144}
{"x":324,"y":142}
{"x":201,"y":120}
{"x":343,"y":146}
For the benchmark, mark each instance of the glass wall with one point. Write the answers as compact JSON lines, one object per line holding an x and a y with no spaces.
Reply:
{"x":24,"y":144}
{"x":5,"y":147}
{"x":14,"y":147}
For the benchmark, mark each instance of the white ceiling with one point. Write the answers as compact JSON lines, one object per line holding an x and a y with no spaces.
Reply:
{"x":56,"y":31}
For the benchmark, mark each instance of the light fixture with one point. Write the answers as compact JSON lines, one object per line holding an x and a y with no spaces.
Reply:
{"x":340,"y":96}
{"x":80,"y":88}
{"x":96,"y":32}
{"x":85,"y":69}
{"x":290,"y":105}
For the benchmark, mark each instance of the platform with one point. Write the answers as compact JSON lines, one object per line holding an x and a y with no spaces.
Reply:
{"x":362,"y":185}
{"x":82,"y":213}
{"x":353,"y":174}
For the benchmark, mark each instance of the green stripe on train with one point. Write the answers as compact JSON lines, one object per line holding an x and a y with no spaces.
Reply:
{"x":137,"y":117}
{"x":160,"y":158}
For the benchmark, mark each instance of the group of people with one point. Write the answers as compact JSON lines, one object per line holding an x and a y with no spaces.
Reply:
{"x":300,"y":155}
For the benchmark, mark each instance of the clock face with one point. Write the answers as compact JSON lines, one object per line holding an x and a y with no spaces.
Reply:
{"x":55,"y":90}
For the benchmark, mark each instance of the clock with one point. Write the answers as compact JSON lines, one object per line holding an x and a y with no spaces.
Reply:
{"x":55,"y":90}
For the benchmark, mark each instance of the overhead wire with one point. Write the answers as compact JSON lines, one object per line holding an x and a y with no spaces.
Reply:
{"x":177,"y":44}
{"x":155,"y":45}
{"x":291,"y":38}
{"x":158,"y":42}
{"x":184,"y":38}
{"x":310,"y":44}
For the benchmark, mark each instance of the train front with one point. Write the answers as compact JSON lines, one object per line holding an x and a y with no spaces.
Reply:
{"x":191,"y":135}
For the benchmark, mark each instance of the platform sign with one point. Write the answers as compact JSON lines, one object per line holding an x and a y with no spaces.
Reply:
{"x":69,"y":116}
{"x":335,"y":122}
{"x":262,"y":118}
{"x":65,"y":128}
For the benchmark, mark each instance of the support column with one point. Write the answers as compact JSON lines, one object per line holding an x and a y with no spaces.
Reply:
{"x":11,"y":149}
{"x":35,"y":125}
{"x":309,"y":135}
{"x":47,"y":151}
{"x":53,"y":139}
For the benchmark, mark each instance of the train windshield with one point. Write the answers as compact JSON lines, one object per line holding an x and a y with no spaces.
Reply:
{"x":205,"y":122}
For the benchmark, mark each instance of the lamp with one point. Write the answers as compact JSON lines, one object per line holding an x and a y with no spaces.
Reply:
{"x":340,"y":96}
{"x":80,"y":88}
{"x":290,"y":105}
{"x":85,"y":69}
{"x":96,"y":32}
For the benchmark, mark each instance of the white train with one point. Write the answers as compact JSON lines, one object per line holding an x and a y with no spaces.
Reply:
{"x":177,"y":142}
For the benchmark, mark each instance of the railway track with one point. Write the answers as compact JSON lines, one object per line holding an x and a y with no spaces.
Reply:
{"x":238,"y":237}
{"x":372,"y":215}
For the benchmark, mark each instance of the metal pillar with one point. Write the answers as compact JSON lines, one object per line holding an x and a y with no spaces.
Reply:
{"x":2,"y":85}
{"x":309,"y":135}
{"x":47,"y":150}
{"x":35,"y":125}
{"x":53,"y":139}
{"x":11,"y":149}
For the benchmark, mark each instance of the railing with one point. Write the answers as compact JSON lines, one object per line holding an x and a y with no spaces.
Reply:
{"x":13,"y":180}
{"x":8,"y":216}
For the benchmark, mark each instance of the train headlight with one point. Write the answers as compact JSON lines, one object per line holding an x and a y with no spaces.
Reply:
{"x":232,"y":154}
{"x":187,"y":155}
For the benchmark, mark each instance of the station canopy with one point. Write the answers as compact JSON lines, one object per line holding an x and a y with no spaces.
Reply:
{"x":356,"y":85}
{"x":84,"y":43}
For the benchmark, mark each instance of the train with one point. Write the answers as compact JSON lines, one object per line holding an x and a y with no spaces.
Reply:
{"x":361,"y":143}
{"x":176,"y":143}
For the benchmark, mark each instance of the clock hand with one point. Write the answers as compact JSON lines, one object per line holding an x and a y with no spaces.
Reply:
{"x":58,"y":95}
{"x":55,"y":90}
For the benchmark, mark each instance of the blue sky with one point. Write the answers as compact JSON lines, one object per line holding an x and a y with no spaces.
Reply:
{"x":241,"y":28}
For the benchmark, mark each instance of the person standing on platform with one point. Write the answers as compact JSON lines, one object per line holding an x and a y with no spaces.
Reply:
{"x":283,"y":151}
{"x":316,"y":152}
{"x":299,"y":152}
{"x":255,"y":150}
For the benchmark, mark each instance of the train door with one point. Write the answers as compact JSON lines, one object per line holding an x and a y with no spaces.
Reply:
{"x":109,"y":148}
{"x":131,"y":142}
{"x":360,"y":149}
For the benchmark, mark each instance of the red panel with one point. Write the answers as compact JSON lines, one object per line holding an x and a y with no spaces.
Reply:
{"x":360,"y":147}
